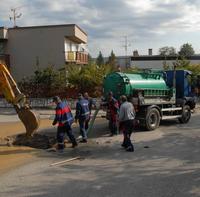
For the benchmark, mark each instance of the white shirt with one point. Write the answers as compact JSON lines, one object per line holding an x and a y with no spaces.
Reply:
{"x":126,"y":111}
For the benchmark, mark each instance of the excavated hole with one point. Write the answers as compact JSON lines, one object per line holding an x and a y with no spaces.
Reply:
{"x":37,"y":141}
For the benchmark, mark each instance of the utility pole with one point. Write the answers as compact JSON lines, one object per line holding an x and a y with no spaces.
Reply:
{"x":126,"y":45}
{"x":15,"y":16}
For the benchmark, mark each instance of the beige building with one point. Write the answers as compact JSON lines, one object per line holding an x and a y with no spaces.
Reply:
{"x":24,"y":49}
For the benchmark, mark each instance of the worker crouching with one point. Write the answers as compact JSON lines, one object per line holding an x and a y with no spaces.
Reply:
{"x":64,"y":119}
{"x":126,"y":118}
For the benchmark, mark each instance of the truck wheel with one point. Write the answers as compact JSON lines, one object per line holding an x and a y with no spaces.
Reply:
{"x":152,"y":119}
{"x":186,"y":114}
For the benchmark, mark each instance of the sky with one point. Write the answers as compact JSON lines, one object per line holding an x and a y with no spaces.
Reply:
{"x":144,"y":23}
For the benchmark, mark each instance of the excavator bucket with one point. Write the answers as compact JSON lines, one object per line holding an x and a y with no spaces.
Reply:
{"x":13,"y":95}
{"x":30,"y":120}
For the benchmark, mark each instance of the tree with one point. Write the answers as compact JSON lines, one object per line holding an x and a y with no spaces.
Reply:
{"x":181,"y":63}
{"x":48,"y":77}
{"x":90,"y":59}
{"x":186,"y":50}
{"x":166,"y":66}
{"x":87,"y":78}
{"x":44,"y":83}
{"x":100,"y":60}
{"x":112,"y":59}
{"x":167,"y":51}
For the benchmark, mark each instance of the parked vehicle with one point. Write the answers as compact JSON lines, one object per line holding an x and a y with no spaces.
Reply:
{"x":156,"y":95}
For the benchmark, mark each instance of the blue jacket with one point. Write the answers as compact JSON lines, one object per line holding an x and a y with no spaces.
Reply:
{"x":82,"y":109}
{"x":91,"y":103}
{"x":63,"y":114}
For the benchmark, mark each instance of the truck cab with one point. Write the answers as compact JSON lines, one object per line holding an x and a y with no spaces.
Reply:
{"x":182,"y":85}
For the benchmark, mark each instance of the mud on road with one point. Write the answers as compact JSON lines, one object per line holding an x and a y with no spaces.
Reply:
{"x":12,"y":156}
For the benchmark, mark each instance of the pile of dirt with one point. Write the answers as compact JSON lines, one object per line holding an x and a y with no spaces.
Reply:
{"x":36,"y":141}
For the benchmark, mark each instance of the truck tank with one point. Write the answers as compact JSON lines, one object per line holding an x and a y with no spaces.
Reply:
{"x":151,"y":83}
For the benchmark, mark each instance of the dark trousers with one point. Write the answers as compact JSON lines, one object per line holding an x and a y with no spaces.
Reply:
{"x":113,"y":127}
{"x":83,"y":130}
{"x":61,"y":130}
{"x":128,"y":127}
{"x":87,"y":124}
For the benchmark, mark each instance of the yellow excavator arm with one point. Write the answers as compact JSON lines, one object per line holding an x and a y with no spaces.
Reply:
{"x":12,"y":94}
{"x":5,"y":86}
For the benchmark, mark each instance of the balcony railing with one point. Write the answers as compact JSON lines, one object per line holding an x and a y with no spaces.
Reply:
{"x":76,"y":57}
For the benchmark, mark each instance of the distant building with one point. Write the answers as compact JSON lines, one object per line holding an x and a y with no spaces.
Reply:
{"x":24,"y":49}
{"x":157,"y":61}
{"x":122,"y":61}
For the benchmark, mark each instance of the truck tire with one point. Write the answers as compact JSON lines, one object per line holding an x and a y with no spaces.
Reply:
{"x":186,"y":114}
{"x":152,"y":119}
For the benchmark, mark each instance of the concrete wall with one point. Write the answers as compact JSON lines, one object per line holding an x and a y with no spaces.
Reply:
{"x":80,"y":34}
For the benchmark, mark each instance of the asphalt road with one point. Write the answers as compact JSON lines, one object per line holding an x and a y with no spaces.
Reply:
{"x":166,"y":163}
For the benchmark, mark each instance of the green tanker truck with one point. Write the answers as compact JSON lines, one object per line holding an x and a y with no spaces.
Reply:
{"x":156,"y":95}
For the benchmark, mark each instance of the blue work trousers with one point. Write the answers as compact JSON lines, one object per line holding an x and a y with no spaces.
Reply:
{"x":83,"y":127}
{"x":61,"y":130}
{"x":87,"y":124}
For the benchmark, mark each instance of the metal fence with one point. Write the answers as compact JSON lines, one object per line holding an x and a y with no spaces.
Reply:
{"x":41,"y":103}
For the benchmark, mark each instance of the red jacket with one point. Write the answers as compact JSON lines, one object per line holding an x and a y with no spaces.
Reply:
{"x":113,"y":107}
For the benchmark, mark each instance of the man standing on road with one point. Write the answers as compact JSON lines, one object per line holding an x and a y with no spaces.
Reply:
{"x":82,"y":116}
{"x":113,"y":108}
{"x":64,"y":119}
{"x":126,"y":117}
{"x":91,"y":103}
